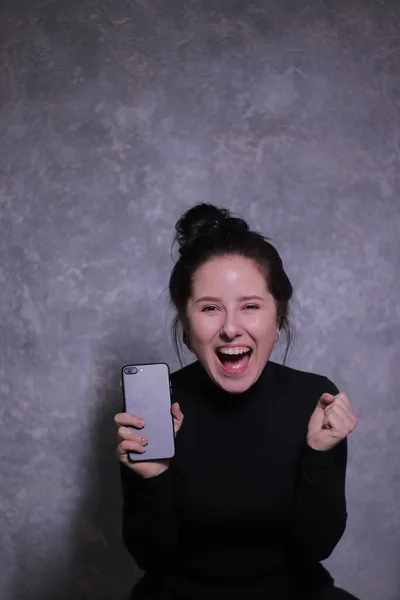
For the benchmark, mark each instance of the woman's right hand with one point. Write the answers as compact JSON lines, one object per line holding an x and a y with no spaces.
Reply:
{"x":130,"y":439}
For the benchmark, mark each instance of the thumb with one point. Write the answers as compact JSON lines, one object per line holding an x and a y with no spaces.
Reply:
{"x":325,"y":400}
{"x":176,"y":411}
{"x":177,"y":415}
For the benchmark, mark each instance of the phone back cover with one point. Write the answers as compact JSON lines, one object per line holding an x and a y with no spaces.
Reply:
{"x":147,"y":395}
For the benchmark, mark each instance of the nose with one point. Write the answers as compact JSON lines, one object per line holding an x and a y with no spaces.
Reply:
{"x":231,"y":326}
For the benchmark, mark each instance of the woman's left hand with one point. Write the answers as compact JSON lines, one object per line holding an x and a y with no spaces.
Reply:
{"x":332,"y":420}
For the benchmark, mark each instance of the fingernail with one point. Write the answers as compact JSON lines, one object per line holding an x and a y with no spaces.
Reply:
{"x":145,"y":441}
{"x":140,"y":424}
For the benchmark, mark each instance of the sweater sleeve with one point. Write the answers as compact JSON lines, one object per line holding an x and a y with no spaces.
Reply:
{"x":149,"y":528}
{"x":320,"y":514}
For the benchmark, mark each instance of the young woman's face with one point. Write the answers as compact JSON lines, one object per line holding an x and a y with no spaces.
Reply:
{"x":231,"y":321}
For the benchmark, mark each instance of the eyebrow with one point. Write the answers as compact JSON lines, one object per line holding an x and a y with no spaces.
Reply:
{"x":241,"y":299}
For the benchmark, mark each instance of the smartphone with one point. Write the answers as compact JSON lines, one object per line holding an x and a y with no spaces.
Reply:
{"x":147,"y":394}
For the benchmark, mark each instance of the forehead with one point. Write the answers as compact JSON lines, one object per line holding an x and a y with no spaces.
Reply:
{"x":227,"y":274}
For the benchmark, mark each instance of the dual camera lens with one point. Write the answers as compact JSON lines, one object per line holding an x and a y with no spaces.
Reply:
{"x":130,"y":370}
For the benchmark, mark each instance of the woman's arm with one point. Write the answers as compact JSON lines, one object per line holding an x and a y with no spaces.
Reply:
{"x":149,"y":527}
{"x":320,"y":515}
{"x":149,"y":521}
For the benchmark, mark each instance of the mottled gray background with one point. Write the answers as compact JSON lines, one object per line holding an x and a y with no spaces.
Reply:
{"x":115,"y":118}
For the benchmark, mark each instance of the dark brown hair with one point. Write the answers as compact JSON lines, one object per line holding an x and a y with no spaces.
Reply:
{"x":206,"y":231}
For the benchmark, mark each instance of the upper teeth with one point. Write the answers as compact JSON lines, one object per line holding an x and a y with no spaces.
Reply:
{"x":239,"y":350}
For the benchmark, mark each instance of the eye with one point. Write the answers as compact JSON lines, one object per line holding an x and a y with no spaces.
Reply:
{"x":251,"y":306}
{"x":209,"y":309}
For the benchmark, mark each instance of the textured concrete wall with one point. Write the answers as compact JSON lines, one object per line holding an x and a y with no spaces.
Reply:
{"x":116,"y":117}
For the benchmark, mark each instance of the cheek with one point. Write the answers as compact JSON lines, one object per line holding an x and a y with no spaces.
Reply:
{"x":261,"y":327}
{"x":203,"y":329}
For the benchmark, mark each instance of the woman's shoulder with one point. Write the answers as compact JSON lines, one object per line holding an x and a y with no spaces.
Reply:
{"x":299,"y":391}
{"x":302,"y":380}
{"x":187,"y":381}
{"x":187,"y":376}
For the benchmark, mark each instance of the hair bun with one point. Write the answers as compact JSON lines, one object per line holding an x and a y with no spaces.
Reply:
{"x":203,"y":220}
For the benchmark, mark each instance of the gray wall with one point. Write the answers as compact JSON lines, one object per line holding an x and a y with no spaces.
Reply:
{"x":118,"y":116}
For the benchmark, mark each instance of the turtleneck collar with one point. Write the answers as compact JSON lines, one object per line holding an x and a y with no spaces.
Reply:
{"x":216,"y":393}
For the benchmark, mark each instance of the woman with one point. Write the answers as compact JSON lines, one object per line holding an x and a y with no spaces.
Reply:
{"x":255,"y":495}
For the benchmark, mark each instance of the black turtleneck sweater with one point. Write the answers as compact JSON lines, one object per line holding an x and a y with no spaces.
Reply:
{"x":247,"y":509}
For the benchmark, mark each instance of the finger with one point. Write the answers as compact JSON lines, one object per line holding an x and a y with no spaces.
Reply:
{"x":342,"y":404}
{"x":325,"y":400}
{"x":176,"y":412}
{"x":177,"y":417}
{"x":345,"y":403}
{"x":338,"y":409}
{"x":130,"y":446}
{"x":127,"y":433}
{"x":128,"y":420}
{"x":343,"y":399}
{"x":337,"y":423}
{"x":334,"y":422}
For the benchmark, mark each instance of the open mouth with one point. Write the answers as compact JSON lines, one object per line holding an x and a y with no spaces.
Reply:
{"x":234,"y":360}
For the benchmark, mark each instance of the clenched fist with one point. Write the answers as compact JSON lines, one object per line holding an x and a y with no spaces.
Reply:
{"x":332,"y":420}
